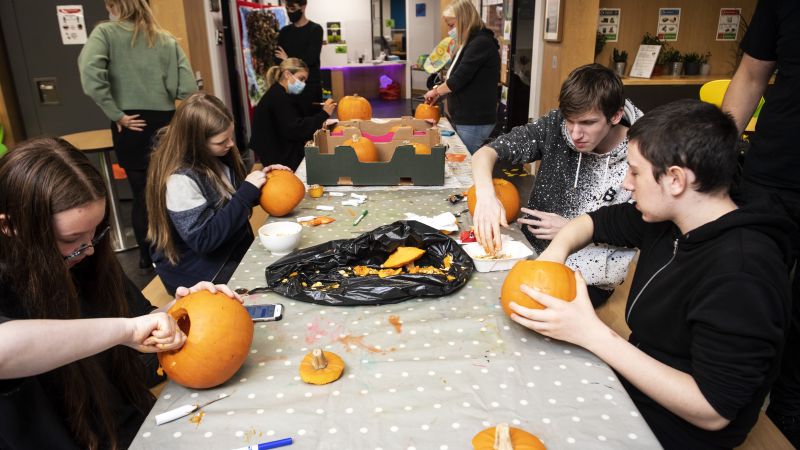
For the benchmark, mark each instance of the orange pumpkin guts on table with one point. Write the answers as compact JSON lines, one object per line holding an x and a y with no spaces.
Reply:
{"x":352,"y":107}
{"x":506,"y":193}
{"x":281,"y":193}
{"x":364,"y":148}
{"x":503,"y":437}
{"x":552,"y":278}
{"x":218,"y":331}
{"x":320,"y":367}
{"x":426,"y":111}
{"x":419,"y":148}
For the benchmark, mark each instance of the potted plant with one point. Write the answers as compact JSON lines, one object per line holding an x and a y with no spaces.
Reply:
{"x":705,"y":67}
{"x":691,"y":62}
{"x":620,"y":59}
{"x":671,"y":58}
{"x":647,"y":39}
{"x":599,"y":43}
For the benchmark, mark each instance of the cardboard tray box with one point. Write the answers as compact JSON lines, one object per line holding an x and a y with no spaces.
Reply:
{"x":379,"y":128}
{"x":329,"y":163}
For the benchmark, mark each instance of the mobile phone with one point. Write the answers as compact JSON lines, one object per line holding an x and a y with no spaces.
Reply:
{"x":265,"y":312}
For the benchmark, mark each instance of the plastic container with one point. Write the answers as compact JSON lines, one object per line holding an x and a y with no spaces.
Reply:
{"x":513,"y":250}
{"x":280,"y":238}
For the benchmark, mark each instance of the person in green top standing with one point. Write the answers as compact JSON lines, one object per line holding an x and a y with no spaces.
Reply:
{"x":134,"y":71}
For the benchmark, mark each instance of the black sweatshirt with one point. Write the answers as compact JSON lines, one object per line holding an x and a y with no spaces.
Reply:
{"x":280,"y":128}
{"x":713,"y":303}
{"x":305,"y":43}
{"x":473,"y":81}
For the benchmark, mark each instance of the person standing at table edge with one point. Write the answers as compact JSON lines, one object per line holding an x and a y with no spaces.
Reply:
{"x":302,"y":39}
{"x":772,"y":163}
{"x":710,"y":300}
{"x":472,"y":79}
{"x":583,"y":149}
{"x":134,"y":71}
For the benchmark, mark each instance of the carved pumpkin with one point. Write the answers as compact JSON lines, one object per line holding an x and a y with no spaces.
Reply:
{"x":504,"y":437}
{"x":353,"y":107}
{"x":218,"y":331}
{"x":281,"y":193}
{"x":419,"y":148}
{"x":549,"y":277}
{"x":365,"y":149}
{"x":319,"y":367}
{"x":403,"y":256}
{"x":506,"y":193}
{"x":426,"y":111}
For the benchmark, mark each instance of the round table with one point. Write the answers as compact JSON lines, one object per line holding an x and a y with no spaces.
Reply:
{"x":99,"y":141}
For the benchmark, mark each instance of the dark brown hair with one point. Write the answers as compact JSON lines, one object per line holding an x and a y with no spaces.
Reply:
{"x":39,"y":179}
{"x":588,"y":87}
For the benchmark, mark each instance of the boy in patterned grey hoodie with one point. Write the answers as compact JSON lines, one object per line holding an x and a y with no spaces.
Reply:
{"x":583,"y":149}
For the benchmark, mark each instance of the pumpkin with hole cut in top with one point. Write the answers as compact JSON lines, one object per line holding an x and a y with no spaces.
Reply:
{"x":507,"y":194}
{"x":419,"y":148}
{"x":503,"y":437}
{"x":403,"y":256}
{"x":320,"y":367}
{"x":281,"y":193}
{"x":552,"y":278}
{"x":352,"y":107}
{"x":426,"y":111}
{"x":364,"y":148}
{"x":218,"y":332}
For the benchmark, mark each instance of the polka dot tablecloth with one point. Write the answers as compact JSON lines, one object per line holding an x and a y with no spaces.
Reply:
{"x":424,"y":374}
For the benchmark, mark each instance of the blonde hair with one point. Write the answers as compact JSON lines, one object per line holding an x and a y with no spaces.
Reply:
{"x":448,"y":12}
{"x":138,"y":13}
{"x":184,"y":144}
{"x":467,"y":20}
{"x":293,"y":65}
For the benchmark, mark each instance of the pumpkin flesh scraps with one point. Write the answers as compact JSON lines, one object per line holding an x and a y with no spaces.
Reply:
{"x":321,"y":367}
{"x":403,"y":256}
{"x":410,"y":268}
{"x":321,"y":220}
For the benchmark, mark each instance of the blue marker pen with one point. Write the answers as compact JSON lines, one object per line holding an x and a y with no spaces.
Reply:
{"x":269,"y":445}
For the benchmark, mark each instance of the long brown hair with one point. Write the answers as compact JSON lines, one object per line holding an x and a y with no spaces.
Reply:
{"x":39,"y":179}
{"x":138,"y":13}
{"x":184,"y":144}
{"x":293,"y":65}
{"x":467,"y":20}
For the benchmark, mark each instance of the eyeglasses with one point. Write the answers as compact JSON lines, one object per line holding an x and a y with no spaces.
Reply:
{"x":82,"y":249}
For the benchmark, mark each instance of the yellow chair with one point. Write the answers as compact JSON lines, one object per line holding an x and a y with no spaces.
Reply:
{"x":714,"y":92}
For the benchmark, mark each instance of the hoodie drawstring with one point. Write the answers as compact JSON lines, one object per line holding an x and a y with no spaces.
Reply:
{"x":577,"y":171}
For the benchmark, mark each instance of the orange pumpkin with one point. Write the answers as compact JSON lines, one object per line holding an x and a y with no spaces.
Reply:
{"x":506,"y":193}
{"x":419,"y":148}
{"x":315,"y":191}
{"x":426,"y":111}
{"x":503,"y":437}
{"x":549,"y":277}
{"x":365,"y":149}
{"x":319,"y":367}
{"x":353,"y":107}
{"x":281,"y":193}
{"x":218,"y":331}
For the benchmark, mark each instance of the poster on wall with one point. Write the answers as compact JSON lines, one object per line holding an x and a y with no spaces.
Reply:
{"x":334,"y":32}
{"x":728,"y":26}
{"x":71,"y":24}
{"x":608,"y":23}
{"x":669,"y":21}
{"x":259,"y":25}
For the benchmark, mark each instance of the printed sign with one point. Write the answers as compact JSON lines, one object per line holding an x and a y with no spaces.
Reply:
{"x":608,"y":23}
{"x":645,"y":61}
{"x":728,"y":27}
{"x":669,"y":21}
{"x":71,"y":24}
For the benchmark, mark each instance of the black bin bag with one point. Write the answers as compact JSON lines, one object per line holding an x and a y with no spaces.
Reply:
{"x":326,"y":263}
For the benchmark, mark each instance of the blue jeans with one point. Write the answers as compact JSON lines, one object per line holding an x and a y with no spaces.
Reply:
{"x":473,"y":136}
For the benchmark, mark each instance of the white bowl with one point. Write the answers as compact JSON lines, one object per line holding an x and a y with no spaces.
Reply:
{"x":280,"y":238}
{"x":513,"y":251}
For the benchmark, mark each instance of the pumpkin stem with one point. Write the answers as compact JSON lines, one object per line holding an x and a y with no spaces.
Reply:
{"x":502,"y":437}
{"x":318,"y":359}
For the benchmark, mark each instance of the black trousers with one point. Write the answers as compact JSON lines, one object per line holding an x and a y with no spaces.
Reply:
{"x":133,"y":150}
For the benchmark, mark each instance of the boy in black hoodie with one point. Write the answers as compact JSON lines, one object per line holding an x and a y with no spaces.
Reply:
{"x":709,"y":303}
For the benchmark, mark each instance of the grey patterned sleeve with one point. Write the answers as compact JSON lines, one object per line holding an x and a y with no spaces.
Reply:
{"x":524,"y":143}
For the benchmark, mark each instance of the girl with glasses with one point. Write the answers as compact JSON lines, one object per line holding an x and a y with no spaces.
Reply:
{"x":198,"y":198}
{"x":77,"y":338}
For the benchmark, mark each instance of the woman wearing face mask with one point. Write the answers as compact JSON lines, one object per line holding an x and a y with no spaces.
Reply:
{"x":302,"y":39}
{"x":134,"y":71}
{"x":280,"y":124}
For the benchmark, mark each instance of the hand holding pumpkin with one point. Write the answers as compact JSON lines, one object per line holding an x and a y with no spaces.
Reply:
{"x":257,"y":178}
{"x":574,"y":322}
{"x":207,"y":286}
{"x":155,"y":332}
{"x":431,"y":96}
{"x":543,"y":225}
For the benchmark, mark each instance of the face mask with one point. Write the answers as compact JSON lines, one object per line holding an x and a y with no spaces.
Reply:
{"x":113,"y":17}
{"x":294,"y":16}
{"x":295,"y":87}
{"x":452,"y":33}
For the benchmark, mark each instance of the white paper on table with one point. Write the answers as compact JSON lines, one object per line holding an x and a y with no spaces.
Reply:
{"x":444,"y":221}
